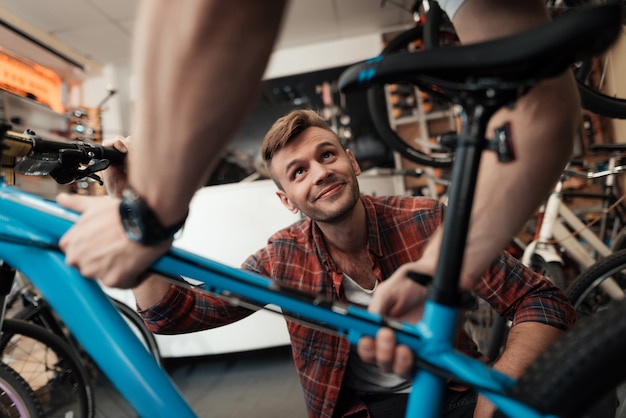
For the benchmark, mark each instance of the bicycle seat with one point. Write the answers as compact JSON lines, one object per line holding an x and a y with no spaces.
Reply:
{"x":521,"y":59}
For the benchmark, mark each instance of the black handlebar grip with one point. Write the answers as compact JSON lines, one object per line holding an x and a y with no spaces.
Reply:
{"x":113,"y":155}
{"x":99,"y":152}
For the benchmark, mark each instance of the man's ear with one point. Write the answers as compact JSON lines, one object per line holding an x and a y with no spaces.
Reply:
{"x":286,"y":202}
{"x":354,"y":162}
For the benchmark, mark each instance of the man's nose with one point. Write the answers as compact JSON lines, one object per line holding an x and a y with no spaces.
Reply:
{"x":320,"y":172}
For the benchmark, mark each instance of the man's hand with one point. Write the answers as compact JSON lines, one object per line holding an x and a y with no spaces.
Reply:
{"x":115,"y":177}
{"x":97,"y":244}
{"x":401,"y":298}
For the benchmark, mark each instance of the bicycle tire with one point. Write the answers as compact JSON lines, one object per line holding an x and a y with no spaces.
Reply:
{"x":559,"y":381}
{"x":584,"y":292}
{"x":17,"y":399}
{"x":600,"y":103}
{"x":139,"y":327}
{"x":48,"y":320}
{"x":51,"y":367}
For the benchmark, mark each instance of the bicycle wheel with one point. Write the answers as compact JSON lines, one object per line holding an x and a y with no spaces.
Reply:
{"x":16,"y":397}
{"x":42,"y":315}
{"x":431,"y":156}
{"x":585,"y":292}
{"x":580,"y":369}
{"x":599,"y":96}
{"x":52,"y":369}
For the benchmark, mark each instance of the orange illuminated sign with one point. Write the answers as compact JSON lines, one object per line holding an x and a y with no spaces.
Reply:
{"x":31,"y":80}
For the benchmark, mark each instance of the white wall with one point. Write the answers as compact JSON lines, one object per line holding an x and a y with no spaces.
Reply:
{"x":117,"y":109}
{"x":285,"y":62}
{"x":320,"y":56}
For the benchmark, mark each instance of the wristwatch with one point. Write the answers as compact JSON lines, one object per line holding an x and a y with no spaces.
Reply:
{"x":140,"y":222}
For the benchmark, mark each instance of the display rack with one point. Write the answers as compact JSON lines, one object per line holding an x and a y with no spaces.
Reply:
{"x":419,"y":125}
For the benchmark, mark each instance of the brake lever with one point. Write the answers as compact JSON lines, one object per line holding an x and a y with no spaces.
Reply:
{"x":92,"y":169}
{"x":68,"y":168}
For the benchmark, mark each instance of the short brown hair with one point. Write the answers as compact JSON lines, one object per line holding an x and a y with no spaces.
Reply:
{"x":288,"y":127}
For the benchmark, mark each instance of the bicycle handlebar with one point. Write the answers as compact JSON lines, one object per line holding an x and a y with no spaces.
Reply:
{"x":65,"y":162}
{"x":22,"y":145}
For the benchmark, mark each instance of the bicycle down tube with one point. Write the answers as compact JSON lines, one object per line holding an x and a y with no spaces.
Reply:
{"x":32,"y":226}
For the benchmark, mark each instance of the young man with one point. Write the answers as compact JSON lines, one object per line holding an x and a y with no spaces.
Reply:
{"x":344,"y":249}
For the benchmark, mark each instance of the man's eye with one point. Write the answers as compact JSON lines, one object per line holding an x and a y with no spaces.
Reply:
{"x":327,"y":155}
{"x":298,"y":172}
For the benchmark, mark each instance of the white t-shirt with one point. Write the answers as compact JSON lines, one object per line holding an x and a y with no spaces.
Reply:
{"x":366,"y":378}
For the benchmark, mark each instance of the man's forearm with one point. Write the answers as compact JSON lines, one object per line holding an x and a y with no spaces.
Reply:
{"x":525,"y":342}
{"x":150,"y":292}
{"x":196,"y":84}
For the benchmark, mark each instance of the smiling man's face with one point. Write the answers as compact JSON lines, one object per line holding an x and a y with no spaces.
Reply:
{"x":318,"y":177}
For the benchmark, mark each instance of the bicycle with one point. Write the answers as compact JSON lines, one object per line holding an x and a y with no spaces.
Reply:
{"x":613,"y":213}
{"x":478,"y":77}
{"x":558,"y":226}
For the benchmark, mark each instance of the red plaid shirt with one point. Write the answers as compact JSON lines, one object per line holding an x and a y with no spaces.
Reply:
{"x":398,"y":229}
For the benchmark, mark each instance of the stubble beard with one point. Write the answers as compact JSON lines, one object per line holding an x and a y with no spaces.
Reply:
{"x":340,"y":213}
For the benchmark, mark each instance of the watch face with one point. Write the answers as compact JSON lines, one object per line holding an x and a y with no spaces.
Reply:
{"x":140,"y":222}
{"x":131,"y":219}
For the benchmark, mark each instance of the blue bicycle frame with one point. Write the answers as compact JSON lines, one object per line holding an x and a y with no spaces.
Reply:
{"x":30,"y":228}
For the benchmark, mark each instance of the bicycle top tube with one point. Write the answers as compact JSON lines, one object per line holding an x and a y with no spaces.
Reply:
{"x":542,"y":52}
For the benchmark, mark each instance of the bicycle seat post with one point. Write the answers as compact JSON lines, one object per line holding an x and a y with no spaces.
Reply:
{"x":445,"y":297}
{"x":471,"y":143}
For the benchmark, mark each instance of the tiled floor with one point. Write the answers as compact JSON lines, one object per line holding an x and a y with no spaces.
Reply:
{"x":260,"y":384}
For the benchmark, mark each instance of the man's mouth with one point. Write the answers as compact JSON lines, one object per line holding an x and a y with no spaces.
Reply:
{"x":329,"y":191}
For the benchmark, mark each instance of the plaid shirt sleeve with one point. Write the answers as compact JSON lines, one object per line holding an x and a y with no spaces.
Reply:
{"x":183,"y":310}
{"x":522,"y":295}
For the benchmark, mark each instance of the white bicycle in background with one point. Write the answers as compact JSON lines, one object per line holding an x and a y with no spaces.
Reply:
{"x":561,"y":233}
